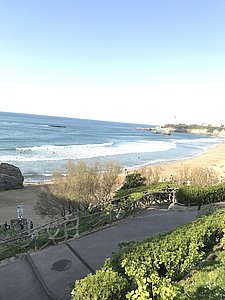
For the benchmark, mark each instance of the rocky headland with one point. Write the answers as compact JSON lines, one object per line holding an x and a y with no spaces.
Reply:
{"x":195,"y":129}
{"x":10,"y":177}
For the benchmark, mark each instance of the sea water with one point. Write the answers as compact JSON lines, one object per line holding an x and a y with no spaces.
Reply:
{"x":41,"y":145}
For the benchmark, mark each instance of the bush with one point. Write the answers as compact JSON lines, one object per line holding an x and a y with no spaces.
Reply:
{"x":196,"y":195}
{"x":106,"y":284}
{"x":133,"y":180}
{"x":150,"y":269}
{"x":206,"y":211}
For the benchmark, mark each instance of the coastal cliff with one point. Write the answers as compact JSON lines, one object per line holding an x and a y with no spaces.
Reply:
{"x":195,"y":129}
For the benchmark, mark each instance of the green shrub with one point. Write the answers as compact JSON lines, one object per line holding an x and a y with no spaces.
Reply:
{"x":126,"y":192}
{"x":106,"y":284}
{"x":155,"y":264}
{"x":150,"y":269}
{"x":160,"y":186}
{"x":206,"y":211}
{"x":133,"y":180}
{"x":196,"y":195}
{"x":208,"y":282}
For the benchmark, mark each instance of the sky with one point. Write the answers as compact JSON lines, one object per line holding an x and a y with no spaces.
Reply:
{"x":136,"y":61}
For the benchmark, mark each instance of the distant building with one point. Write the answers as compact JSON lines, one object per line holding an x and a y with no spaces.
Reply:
{"x":206,"y":125}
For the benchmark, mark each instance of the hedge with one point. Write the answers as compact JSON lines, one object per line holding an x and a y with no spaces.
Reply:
{"x":196,"y":195}
{"x":150,"y":269}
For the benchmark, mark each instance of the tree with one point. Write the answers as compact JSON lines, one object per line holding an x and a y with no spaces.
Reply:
{"x":50,"y":205}
{"x":183,"y":176}
{"x":203,"y":176}
{"x":109,"y":181}
{"x":152,"y":174}
{"x":83,"y":185}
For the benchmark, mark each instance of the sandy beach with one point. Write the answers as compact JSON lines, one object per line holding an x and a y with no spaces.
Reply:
{"x":27,"y":197}
{"x":213,"y":158}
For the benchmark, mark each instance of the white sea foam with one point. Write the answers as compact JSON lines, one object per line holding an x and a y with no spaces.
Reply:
{"x":42,"y":160}
{"x":54,"y":153}
{"x":206,"y":140}
{"x":10,"y":123}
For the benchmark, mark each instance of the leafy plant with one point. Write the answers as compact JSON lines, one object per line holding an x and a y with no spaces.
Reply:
{"x":106,"y":284}
{"x":133,"y":180}
{"x":151,"y":268}
{"x":197,"y":195}
{"x":206,"y":283}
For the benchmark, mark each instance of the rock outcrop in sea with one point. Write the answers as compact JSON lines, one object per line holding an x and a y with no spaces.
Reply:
{"x":10,"y":177}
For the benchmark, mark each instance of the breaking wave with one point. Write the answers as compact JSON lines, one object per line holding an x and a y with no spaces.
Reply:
{"x":55,"y":153}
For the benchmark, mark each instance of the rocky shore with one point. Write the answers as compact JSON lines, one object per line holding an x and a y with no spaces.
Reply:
{"x":195,"y":129}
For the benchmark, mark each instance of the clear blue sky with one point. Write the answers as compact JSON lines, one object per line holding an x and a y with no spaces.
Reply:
{"x":143,"y":61}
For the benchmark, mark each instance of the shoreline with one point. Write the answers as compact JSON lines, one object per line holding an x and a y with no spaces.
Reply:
{"x":213,"y":158}
{"x":202,"y":159}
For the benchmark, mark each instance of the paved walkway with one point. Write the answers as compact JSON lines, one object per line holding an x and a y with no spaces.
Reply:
{"x":50,"y":273}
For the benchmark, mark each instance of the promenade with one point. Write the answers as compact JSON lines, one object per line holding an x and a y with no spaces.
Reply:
{"x":50,"y":273}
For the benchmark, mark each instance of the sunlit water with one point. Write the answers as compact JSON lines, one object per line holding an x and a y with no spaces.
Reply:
{"x":40,"y":145}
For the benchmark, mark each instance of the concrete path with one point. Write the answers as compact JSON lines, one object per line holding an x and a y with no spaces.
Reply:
{"x":50,"y":273}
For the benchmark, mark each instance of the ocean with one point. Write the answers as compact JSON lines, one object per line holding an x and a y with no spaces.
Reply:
{"x":41,"y":145}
